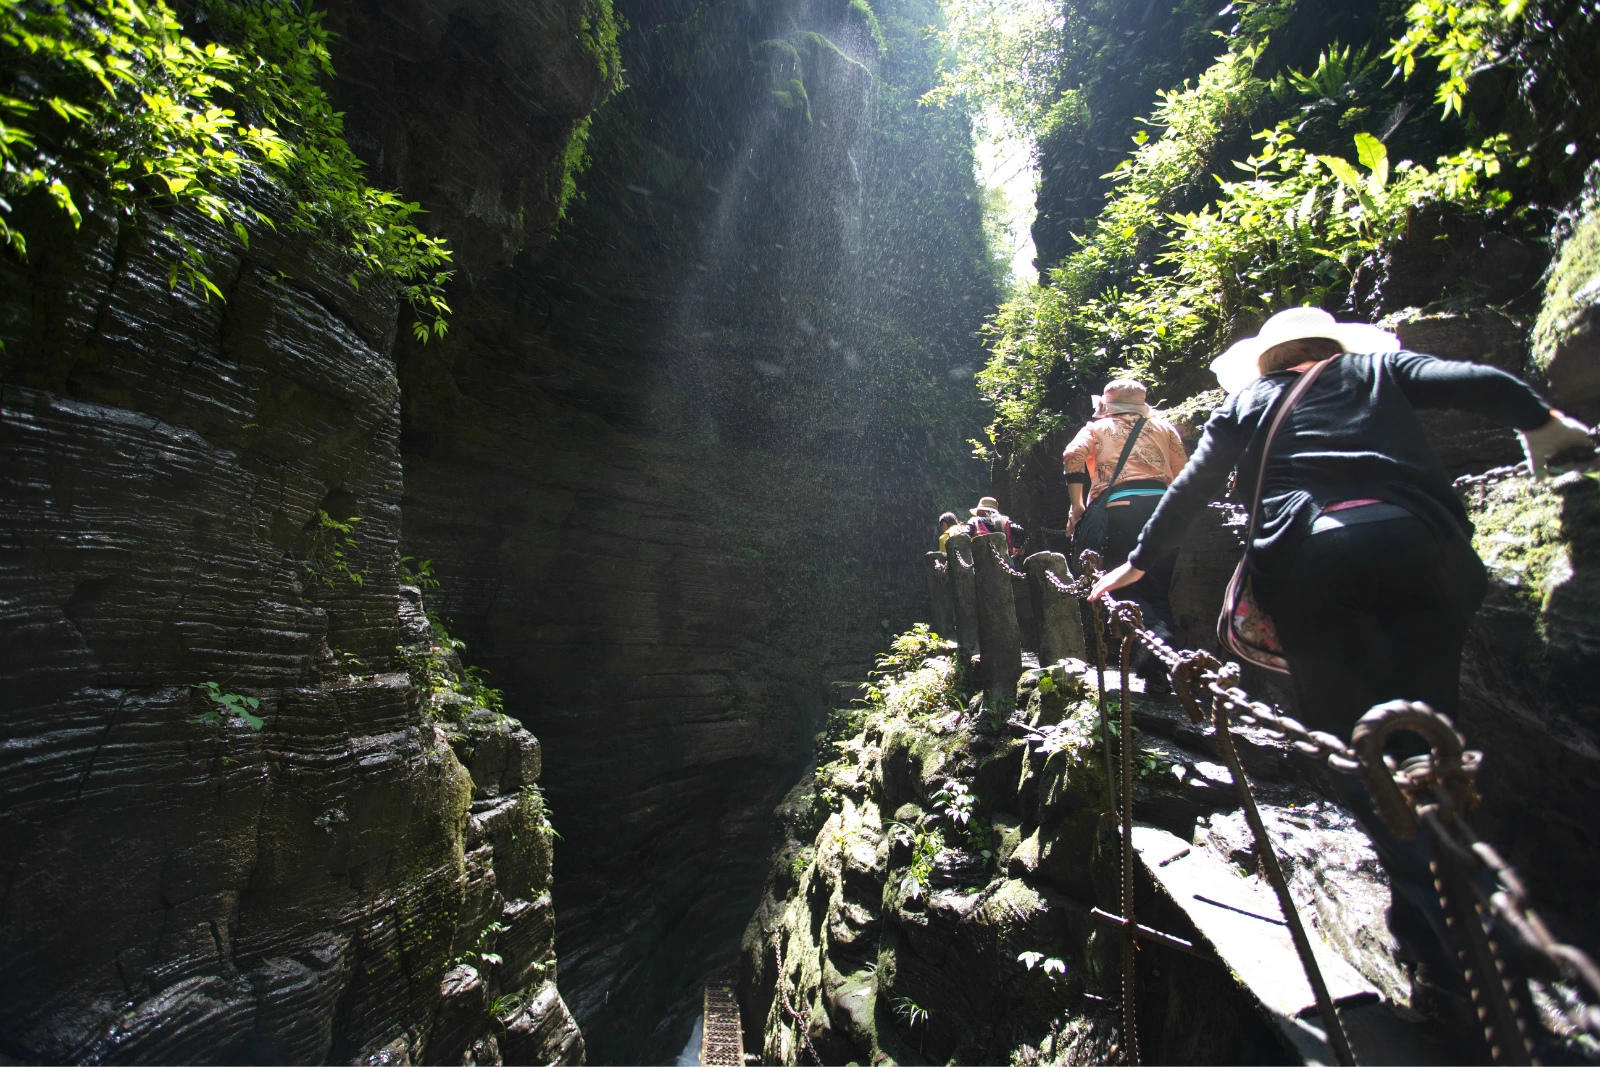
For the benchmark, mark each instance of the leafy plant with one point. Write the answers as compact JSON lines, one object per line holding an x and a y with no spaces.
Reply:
{"x":448,"y":688}
{"x":481,"y":954}
{"x":111,"y":99}
{"x":915,"y":1016}
{"x":418,"y":574}
{"x":1333,"y":93}
{"x":537,"y":808}
{"x":233,"y":705}
{"x":1050,"y":966}
{"x":954,"y":802}
{"x":507,"y":1005}
{"x":326,"y":552}
{"x":926,"y":844}
{"x":1460,"y":36}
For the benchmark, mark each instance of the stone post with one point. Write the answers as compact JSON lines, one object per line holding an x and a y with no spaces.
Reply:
{"x":963,"y":593}
{"x":997,"y":618}
{"x":1060,"y":620}
{"x":942,"y":610}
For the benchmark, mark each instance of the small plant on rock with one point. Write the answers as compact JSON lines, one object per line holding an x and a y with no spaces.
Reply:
{"x":1052,"y":967}
{"x":418,"y":574}
{"x":926,"y":844}
{"x":326,"y":552}
{"x":233,"y":705}
{"x":955,"y":802}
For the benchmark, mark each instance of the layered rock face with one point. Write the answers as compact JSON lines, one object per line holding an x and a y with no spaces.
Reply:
{"x":673,"y":468}
{"x":179,"y":886}
{"x":670,"y":470}
{"x":232,"y":832}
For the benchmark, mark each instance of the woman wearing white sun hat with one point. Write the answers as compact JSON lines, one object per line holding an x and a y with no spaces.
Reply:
{"x":1362,"y":552}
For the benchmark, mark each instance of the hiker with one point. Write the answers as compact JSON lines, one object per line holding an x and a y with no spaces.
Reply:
{"x":986,"y":518}
{"x":1362,"y":553}
{"x":949,"y":524}
{"x":1117,"y":468}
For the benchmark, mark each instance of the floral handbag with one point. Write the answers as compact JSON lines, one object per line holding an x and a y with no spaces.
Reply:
{"x":1243,"y":629}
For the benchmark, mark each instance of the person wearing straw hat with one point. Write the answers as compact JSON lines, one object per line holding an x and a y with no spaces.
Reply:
{"x":1362,"y":551}
{"x":987,"y":518}
{"x":1117,"y":467}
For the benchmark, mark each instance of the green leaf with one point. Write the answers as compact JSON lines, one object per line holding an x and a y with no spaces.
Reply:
{"x":1374,"y":155}
{"x":1344,"y":170}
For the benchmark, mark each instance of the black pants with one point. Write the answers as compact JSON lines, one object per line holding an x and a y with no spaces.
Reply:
{"x":1369,"y":613}
{"x":1152,"y":592}
{"x":1373,"y":612}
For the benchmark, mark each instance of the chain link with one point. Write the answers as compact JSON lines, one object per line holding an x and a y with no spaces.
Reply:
{"x":1000,"y":562}
{"x":1436,"y":788}
{"x":802,"y":1020}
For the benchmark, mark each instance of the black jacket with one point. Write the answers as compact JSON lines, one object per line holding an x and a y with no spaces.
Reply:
{"x":1355,"y":434}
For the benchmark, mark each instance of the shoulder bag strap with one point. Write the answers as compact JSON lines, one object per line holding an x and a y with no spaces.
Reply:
{"x":1127,"y":450}
{"x":1295,"y":393}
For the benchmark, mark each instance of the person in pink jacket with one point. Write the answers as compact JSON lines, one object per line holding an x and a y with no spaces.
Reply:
{"x":1099,"y":466}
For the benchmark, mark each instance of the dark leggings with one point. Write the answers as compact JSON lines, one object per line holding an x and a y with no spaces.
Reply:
{"x":1152,"y":592}
{"x":1374,"y":612}
{"x":1369,"y":613}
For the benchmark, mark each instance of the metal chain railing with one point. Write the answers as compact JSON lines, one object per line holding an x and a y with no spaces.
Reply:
{"x":1004,"y":565}
{"x":1429,"y":792}
{"x":802,"y":1020}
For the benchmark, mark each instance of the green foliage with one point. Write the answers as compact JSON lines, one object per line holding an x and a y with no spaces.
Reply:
{"x":1051,"y":967}
{"x":800,"y":861}
{"x":1177,"y":252}
{"x":1334,"y":94}
{"x":1256,"y":21}
{"x":913,"y":1013}
{"x":1073,"y":734}
{"x":910,"y":649}
{"x":598,"y":31}
{"x":926,"y":844}
{"x":418,"y":574}
{"x":111,"y":99}
{"x":507,"y":1006}
{"x":1295,"y":231}
{"x":1461,"y":36}
{"x":1004,"y":57}
{"x":536,"y":808}
{"x":869,"y":19}
{"x":449,"y":690}
{"x":327,"y":549}
{"x":482,"y":955}
{"x":232,"y":705}
{"x":954,"y":803}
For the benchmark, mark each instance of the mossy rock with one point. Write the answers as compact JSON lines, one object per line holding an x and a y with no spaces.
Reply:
{"x":1566,"y":337}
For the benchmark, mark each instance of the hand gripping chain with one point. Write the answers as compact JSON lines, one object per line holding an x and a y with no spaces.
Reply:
{"x":1481,"y":893}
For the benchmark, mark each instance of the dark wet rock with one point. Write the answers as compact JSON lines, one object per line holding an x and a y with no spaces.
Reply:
{"x":1468,"y":443}
{"x":181,"y":887}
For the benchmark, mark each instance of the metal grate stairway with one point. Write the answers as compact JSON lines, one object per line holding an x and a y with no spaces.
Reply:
{"x":721,"y":1038}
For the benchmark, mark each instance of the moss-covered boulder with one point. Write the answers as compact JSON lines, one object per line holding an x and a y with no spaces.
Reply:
{"x":1566,"y":337}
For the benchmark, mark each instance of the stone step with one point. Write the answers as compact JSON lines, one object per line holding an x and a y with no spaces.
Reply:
{"x":1240,"y":919}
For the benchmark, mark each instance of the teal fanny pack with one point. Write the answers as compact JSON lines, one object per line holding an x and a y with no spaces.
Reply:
{"x":1119,"y":494}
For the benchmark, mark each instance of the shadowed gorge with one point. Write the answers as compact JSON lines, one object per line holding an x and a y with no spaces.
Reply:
{"x":460,"y":458}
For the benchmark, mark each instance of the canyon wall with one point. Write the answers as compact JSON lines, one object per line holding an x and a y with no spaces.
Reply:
{"x":674,"y":467}
{"x":238,"y":822}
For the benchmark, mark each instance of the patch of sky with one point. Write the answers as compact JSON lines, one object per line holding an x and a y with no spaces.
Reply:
{"x":1007,"y":173}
